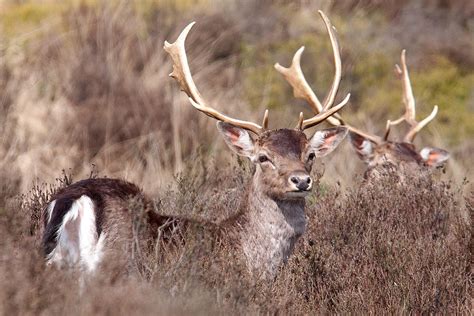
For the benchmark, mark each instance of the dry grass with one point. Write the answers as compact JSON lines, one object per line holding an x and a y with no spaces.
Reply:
{"x":86,"y":88}
{"x":107,"y":98}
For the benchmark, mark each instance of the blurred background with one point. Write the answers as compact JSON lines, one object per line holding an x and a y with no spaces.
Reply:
{"x":85,"y":83}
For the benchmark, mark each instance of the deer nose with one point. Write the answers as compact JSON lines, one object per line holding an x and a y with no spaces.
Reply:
{"x":302,"y":182}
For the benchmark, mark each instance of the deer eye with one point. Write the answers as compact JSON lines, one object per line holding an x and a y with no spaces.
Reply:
{"x":311,"y":156}
{"x":262,"y":158}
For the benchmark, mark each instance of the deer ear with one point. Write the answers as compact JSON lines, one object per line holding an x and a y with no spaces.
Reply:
{"x":434,"y":156}
{"x":238,"y":139}
{"x":325,"y":141}
{"x":363,"y":147}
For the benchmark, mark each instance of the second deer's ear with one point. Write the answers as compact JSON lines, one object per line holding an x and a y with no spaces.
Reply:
{"x":434,"y":156}
{"x":238,"y":139}
{"x":325,"y":141}
{"x":363,"y":147}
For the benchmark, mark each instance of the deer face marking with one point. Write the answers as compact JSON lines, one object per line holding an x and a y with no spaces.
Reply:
{"x":283,"y":157}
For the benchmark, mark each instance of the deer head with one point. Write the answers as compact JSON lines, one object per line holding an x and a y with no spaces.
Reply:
{"x":372,"y":149}
{"x":283,"y":156}
{"x":375,"y":150}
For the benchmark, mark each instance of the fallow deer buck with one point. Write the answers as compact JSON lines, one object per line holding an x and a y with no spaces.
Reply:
{"x":86,"y":219}
{"x":376,"y":151}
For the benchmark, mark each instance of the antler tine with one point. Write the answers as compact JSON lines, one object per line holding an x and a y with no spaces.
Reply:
{"x":408,"y":97}
{"x":410,"y":106}
{"x":182,"y":74}
{"x":265,"y":120}
{"x":337,"y":61}
{"x":327,"y":116}
{"x":337,"y":79}
{"x":387,"y":128}
{"x":318,"y":118}
{"x":300,"y":121}
{"x":295,"y":77}
{"x":419,"y":125}
{"x":301,"y":89}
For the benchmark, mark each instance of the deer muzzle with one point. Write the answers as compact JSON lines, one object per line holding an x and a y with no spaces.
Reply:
{"x":300,"y":182}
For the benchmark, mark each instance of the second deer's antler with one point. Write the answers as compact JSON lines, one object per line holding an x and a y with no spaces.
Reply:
{"x":409,"y":101}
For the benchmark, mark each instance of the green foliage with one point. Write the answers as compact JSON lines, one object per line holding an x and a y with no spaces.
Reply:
{"x":261,"y":84}
{"x":177,"y":4}
{"x":445,"y":84}
{"x":27,"y":16}
{"x":17,"y":19}
{"x":373,"y":85}
{"x":264,"y":85}
{"x":168,"y":10}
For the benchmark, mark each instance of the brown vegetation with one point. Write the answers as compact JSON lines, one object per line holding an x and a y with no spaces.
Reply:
{"x":379,"y":248}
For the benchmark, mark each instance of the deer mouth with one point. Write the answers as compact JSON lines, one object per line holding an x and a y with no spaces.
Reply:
{"x":297,"y":194}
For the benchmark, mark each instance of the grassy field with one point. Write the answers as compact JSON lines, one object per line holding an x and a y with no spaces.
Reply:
{"x":84,"y":88}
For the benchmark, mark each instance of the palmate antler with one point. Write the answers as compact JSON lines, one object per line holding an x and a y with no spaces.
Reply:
{"x":409,"y":101}
{"x":182,"y":74}
{"x":301,"y":89}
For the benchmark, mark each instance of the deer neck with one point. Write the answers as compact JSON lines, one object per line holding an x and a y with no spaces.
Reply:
{"x":272,"y":228}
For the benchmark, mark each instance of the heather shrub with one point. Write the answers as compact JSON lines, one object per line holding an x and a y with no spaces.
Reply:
{"x":379,"y":247}
{"x":387,"y":247}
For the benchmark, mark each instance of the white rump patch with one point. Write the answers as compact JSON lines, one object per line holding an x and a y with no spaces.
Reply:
{"x":78,"y":243}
